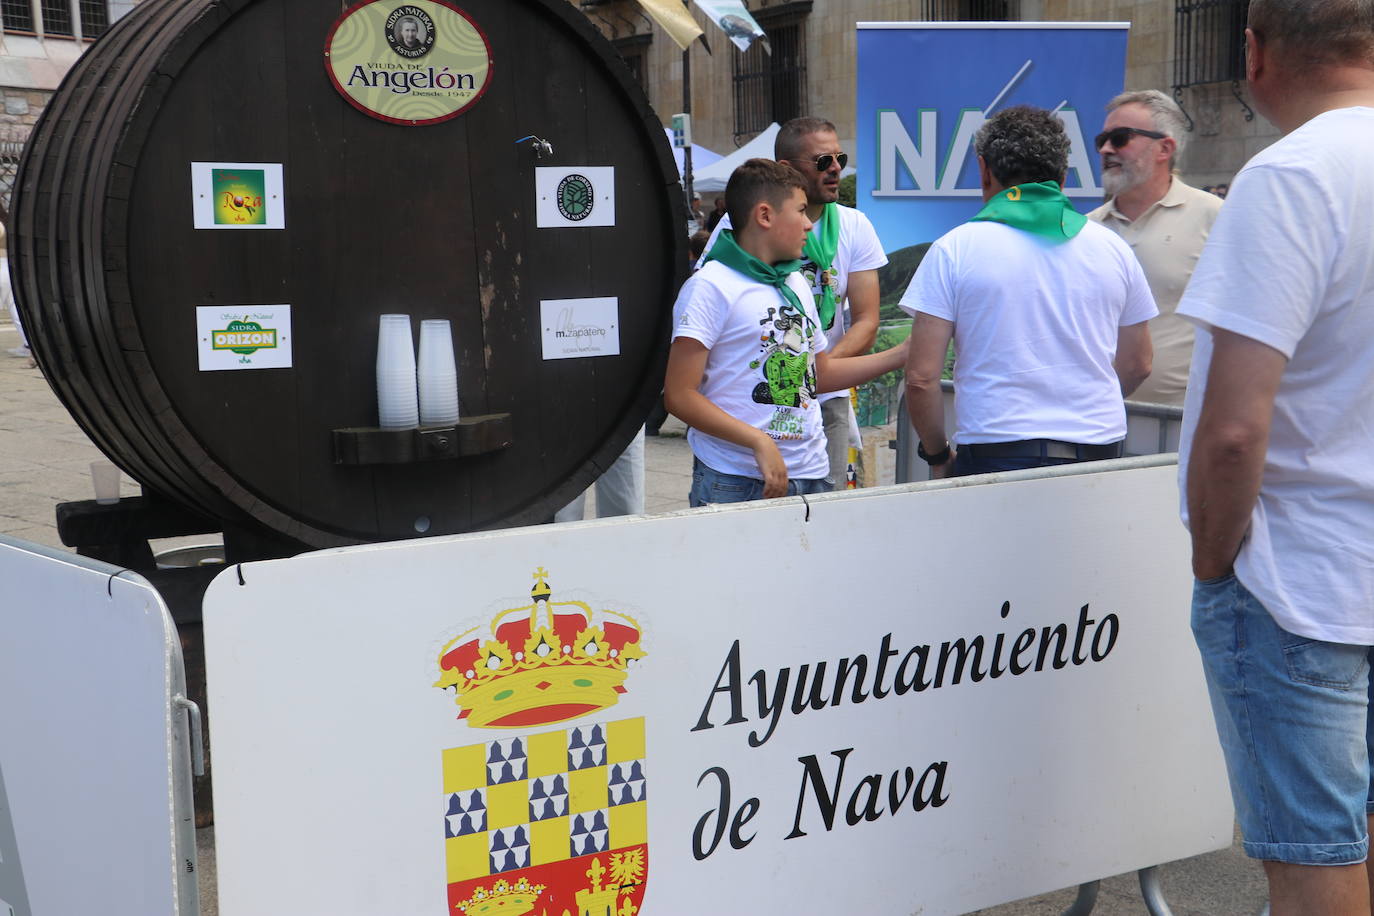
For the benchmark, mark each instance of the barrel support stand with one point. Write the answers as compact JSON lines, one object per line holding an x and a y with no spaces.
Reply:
{"x":1150,"y":891}
{"x":118,"y":534}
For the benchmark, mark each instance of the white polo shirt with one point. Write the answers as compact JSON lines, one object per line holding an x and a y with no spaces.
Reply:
{"x":1167,"y":239}
{"x":1035,"y":329}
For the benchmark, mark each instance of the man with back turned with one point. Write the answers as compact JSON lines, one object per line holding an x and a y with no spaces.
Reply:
{"x":1048,"y":312}
{"x":1276,"y":463}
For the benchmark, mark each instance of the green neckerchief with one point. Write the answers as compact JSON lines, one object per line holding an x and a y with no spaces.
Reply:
{"x":1038,"y":207}
{"x":727,"y":251}
{"x":820,"y":248}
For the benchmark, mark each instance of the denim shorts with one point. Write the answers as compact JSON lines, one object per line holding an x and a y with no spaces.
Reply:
{"x":1293,"y":717}
{"x":711,"y":486}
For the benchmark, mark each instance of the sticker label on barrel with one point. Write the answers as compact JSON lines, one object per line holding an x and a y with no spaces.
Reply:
{"x":408,"y":63}
{"x":574,"y":328}
{"x":574,"y":197}
{"x":243,"y":337}
{"x":237,"y":195}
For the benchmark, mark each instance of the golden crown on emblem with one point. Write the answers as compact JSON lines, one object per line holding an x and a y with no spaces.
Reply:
{"x":502,"y":899}
{"x":548,"y":661}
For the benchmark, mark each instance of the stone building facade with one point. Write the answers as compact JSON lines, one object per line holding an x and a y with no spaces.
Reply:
{"x":39,"y":42}
{"x":811,"y":71}
{"x":1171,"y":44}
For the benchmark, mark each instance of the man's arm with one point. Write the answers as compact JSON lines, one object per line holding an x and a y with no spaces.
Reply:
{"x":925,"y":403}
{"x":862,"y":293}
{"x":1229,"y":445}
{"x":1134,"y":355}
{"x":682,"y":396}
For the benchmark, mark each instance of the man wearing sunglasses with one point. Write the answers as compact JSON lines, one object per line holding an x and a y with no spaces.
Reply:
{"x":1278,"y":480}
{"x":841,"y":262}
{"x":1163,"y":220}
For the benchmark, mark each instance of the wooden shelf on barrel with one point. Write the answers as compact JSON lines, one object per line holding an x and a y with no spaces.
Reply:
{"x":471,"y":436}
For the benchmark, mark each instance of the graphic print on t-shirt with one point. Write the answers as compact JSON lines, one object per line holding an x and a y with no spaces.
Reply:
{"x":787,"y":367}
{"x":818,"y":280}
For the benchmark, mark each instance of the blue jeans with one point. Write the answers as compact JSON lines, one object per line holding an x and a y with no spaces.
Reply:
{"x":710,"y":486}
{"x":1293,"y":717}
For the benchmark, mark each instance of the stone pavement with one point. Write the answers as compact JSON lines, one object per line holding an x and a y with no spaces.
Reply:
{"x":45,"y":459}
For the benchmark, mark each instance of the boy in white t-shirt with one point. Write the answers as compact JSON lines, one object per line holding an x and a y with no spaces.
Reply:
{"x":748,"y":357}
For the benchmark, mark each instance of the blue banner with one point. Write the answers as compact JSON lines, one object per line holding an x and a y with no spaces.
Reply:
{"x":925,"y":88}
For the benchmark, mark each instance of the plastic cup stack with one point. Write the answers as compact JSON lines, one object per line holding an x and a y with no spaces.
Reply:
{"x":438,"y":374}
{"x":397,"y":404}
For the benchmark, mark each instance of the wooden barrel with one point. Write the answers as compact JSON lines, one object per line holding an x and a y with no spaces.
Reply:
{"x":435,"y":212}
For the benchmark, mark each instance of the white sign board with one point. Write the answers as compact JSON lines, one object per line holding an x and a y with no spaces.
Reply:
{"x":693,"y":714}
{"x":574,"y":197}
{"x":238,"y":195}
{"x":580,"y":327}
{"x":243,"y":337}
{"x":95,"y":793}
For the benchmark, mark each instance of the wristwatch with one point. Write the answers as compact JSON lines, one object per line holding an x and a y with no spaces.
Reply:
{"x":940,"y":457}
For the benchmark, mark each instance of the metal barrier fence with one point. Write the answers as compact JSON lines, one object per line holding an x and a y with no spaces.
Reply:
{"x":1151,"y":429}
{"x":99,"y":814}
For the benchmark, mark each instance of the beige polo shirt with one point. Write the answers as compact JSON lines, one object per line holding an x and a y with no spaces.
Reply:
{"x":1167,"y":239}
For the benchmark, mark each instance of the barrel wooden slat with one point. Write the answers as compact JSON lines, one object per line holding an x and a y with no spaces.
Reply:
{"x":52,"y":333}
{"x":558,"y":82}
{"x":63,"y":234}
{"x":122,"y":411}
{"x":89,"y":319}
{"x":567,"y":383}
{"x":209,"y":267}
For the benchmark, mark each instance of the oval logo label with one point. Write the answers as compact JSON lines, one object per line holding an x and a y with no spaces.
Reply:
{"x":576,"y":197}
{"x":414,"y":63}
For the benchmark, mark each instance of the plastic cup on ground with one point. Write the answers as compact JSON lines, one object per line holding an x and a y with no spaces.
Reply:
{"x":105,"y":477}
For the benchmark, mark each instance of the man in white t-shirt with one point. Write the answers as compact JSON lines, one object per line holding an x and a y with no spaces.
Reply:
{"x":1048,"y":312}
{"x":1276,"y":464}
{"x":1163,"y":219}
{"x":840,"y":262}
{"x":747,"y":358}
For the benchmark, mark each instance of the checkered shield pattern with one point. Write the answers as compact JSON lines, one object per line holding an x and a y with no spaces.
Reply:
{"x":520,"y":802}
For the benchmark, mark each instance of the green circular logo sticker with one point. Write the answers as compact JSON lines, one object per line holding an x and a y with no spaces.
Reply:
{"x":413,"y":63}
{"x":575,"y":197}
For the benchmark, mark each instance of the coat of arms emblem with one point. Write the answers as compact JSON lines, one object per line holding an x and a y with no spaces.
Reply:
{"x":549,"y":822}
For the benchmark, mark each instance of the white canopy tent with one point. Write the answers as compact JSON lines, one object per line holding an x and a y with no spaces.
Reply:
{"x":713,"y":177}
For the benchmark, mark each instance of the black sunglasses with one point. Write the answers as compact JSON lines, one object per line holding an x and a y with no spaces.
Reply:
{"x":1120,"y":136}
{"x":823,"y":162}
